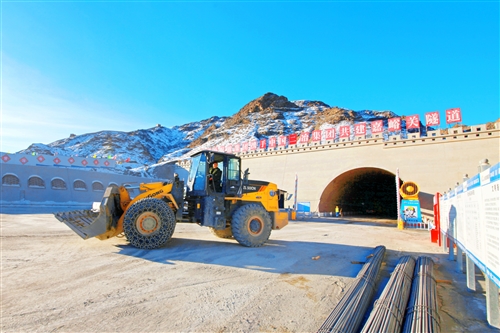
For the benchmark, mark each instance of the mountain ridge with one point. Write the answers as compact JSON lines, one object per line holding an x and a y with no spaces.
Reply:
{"x":266,"y":116}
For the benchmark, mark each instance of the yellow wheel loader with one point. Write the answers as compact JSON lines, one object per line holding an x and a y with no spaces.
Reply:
{"x":232,"y":206}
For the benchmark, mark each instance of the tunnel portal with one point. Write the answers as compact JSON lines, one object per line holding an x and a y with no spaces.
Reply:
{"x":362,"y":191}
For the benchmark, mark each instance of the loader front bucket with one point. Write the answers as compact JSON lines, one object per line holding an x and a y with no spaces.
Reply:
{"x":89,"y":223}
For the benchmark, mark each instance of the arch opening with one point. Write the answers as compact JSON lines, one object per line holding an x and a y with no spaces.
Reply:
{"x":363,"y":192}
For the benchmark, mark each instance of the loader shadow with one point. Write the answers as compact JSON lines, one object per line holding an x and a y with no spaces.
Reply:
{"x":276,"y":256}
{"x":368,"y":222}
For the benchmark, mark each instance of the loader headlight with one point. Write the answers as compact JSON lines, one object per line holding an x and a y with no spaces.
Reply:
{"x":272,"y":193}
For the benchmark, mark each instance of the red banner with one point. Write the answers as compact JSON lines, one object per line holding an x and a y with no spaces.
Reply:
{"x":229,"y":149}
{"x":360,"y":129}
{"x":272,"y":142}
{"x":394,"y":124}
{"x":377,"y":126}
{"x":292,"y":139}
{"x":330,"y":134}
{"x":453,"y":116}
{"x":244,"y":146}
{"x":262,"y":144}
{"x":412,"y":122}
{"x":432,"y":118}
{"x":316,"y":136}
{"x":304,"y":137}
{"x":282,"y":140}
{"x":236,"y":148}
{"x":253,"y":145}
{"x":345,"y":131}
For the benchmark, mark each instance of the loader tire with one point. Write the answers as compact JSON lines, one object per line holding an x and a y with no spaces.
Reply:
{"x":251,"y":225}
{"x":149,"y":223}
{"x":224,"y":233}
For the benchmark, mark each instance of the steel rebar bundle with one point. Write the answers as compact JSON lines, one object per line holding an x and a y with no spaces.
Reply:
{"x":422,"y":312}
{"x":389,"y":310}
{"x":347,"y":315}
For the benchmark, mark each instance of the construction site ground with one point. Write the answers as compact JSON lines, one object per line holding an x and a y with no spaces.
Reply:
{"x":53,"y":281}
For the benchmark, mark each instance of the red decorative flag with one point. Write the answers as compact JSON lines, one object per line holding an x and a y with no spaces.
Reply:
{"x":304,"y":137}
{"x":377,"y":126}
{"x":394,"y":124}
{"x":292,"y":139}
{"x":453,"y":116}
{"x":360,"y":129}
{"x":432,"y":119}
{"x":345,"y":131}
{"x":316,"y":136}
{"x":412,"y":122}
{"x":330,"y":134}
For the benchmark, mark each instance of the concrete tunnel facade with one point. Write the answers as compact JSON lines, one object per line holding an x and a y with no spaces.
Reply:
{"x":361,"y":191}
{"x":329,"y":173}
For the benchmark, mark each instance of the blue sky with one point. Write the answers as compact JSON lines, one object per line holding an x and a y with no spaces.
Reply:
{"x":79,"y":67}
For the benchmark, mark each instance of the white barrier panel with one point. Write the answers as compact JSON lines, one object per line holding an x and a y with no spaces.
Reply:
{"x":490,"y":209}
{"x":470,"y":215}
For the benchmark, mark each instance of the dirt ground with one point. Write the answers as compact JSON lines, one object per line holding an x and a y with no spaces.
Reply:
{"x":53,"y":281}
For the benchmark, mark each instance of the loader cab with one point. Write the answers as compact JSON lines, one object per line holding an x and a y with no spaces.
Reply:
{"x":201,"y":184}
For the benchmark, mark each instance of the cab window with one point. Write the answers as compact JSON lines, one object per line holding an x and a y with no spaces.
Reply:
{"x":197,"y":179}
{"x":233,"y":169}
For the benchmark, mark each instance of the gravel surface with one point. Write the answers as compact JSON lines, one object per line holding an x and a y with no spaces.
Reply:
{"x":53,"y":281}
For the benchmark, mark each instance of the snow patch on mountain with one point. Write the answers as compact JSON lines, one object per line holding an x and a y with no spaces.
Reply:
{"x":139,"y":151}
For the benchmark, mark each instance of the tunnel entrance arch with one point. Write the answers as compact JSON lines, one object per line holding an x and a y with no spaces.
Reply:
{"x":362,"y":191}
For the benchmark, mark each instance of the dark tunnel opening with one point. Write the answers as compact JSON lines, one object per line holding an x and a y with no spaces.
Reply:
{"x":362,"y":192}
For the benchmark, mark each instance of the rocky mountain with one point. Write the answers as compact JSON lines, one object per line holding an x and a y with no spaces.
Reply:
{"x":263,"y":117}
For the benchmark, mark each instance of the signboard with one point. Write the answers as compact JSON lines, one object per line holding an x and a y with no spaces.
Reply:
{"x":412,"y":122}
{"x":460,"y":221}
{"x":272,"y":142}
{"x":394,"y":124}
{"x":432,"y":118}
{"x":360,"y":129}
{"x":330,"y":134}
{"x":490,"y":221}
{"x":304,"y":137}
{"x":304,"y":207}
{"x":377,"y":126}
{"x":453,"y":116}
{"x":472,"y":238}
{"x":410,"y":210}
{"x":253,"y":145}
{"x":316,"y":136}
{"x":344,"y":131}
{"x":443,"y":212}
{"x":471,"y":215}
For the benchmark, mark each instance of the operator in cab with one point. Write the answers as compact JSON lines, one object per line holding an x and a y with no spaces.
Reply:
{"x":215,"y":177}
